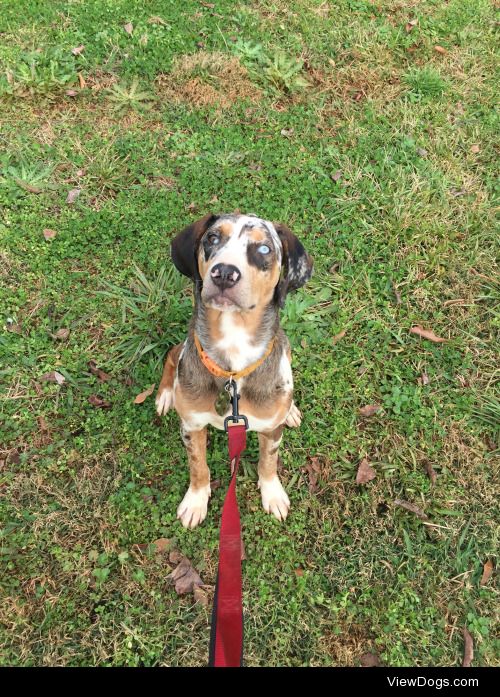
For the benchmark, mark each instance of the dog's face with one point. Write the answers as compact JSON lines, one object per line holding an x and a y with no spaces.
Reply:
{"x":241,"y":261}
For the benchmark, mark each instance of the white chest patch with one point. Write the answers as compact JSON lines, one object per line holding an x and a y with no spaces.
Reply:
{"x":236,"y":344}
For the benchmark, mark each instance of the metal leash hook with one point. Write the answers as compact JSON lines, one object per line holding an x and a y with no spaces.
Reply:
{"x":232,"y":389}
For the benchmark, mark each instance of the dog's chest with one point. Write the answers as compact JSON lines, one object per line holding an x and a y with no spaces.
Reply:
{"x":235,"y":344}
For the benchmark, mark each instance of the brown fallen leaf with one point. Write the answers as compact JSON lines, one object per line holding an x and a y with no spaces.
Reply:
{"x":49,"y":234}
{"x":144,"y":395}
{"x":185,"y":577}
{"x":412,"y":508}
{"x":487,"y":572}
{"x":162,"y":545}
{"x":287,"y":132}
{"x":475,"y":149}
{"x":175,"y":557}
{"x":431,"y":473}
{"x":62,"y":334}
{"x":77,"y":50}
{"x":336,"y":175}
{"x":157,"y":20}
{"x":365,"y":472}
{"x":468,"y":649}
{"x":338,"y":336}
{"x":410,"y":25}
{"x":313,"y":469}
{"x":424,"y":378}
{"x":71,"y":93}
{"x":440,"y":49}
{"x":200,"y":596}
{"x":13,"y":327}
{"x":369,"y":410}
{"x":369,"y":660}
{"x":426,"y":334}
{"x":81,"y":81}
{"x":99,"y":402}
{"x":129,"y":28}
{"x":103,"y":377}
{"x":243,"y":555}
{"x":73,"y":195}
{"x":42,"y":424}
{"x":28,"y":187}
{"x":54,"y":376}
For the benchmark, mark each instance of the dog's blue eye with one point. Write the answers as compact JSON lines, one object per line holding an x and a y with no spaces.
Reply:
{"x":213,"y":239}
{"x":263,"y":249}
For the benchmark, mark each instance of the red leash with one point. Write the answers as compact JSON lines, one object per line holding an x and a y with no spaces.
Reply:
{"x":226,"y":639}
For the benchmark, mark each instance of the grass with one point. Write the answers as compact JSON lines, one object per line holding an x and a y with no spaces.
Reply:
{"x":379,"y":152}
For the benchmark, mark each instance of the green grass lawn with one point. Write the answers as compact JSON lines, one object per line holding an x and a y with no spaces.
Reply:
{"x":369,"y":128}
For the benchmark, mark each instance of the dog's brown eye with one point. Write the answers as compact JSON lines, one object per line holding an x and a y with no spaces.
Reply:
{"x":213,"y":239}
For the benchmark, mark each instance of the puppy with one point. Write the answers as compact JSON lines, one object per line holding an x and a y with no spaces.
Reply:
{"x":242,"y":267}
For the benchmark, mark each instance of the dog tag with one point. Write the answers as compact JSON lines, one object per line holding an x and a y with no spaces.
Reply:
{"x":222,"y":402}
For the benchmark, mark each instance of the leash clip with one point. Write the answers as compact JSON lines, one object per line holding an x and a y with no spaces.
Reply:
{"x":232,"y":389}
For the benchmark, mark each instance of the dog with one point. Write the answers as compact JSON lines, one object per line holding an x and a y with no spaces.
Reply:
{"x":242,"y":267}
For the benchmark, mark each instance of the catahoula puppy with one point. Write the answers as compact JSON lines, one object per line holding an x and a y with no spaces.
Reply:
{"x":242,"y":267}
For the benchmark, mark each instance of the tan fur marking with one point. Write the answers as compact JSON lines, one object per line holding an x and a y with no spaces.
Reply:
{"x":268,"y":453}
{"x":196,"y":446}
{"x":170,"y":368}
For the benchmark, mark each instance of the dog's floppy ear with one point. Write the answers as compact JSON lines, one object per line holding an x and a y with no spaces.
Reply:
{"x":297,"y":264}
{"x":184,"y":248}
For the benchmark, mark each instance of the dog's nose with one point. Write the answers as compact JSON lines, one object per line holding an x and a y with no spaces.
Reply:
{"x":225,"y":275}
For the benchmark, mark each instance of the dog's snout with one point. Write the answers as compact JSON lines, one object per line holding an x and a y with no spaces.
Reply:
{"x":225,"y":275}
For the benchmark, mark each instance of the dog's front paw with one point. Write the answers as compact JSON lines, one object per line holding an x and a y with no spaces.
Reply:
{"x":193,"y":509}
{"x":294,"y":418}
{"x":163,"y":401}
{"x":274,"y":498}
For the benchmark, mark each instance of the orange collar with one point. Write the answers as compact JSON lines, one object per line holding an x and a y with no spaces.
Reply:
{"x":219,"y":372}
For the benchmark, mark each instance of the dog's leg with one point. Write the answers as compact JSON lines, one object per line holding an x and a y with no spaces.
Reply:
{"x":165,"y":394}
{"x":193,"y":509}
{"x":274,"y":498}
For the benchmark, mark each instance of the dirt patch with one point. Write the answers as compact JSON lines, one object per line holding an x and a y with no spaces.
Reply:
{"x":207,"y":79}
{"x":347,"y":648}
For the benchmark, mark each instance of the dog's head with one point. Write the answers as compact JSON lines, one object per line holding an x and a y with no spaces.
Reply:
{"x":241,"y":261}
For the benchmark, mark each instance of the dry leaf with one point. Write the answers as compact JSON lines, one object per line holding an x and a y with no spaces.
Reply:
{"x":412,"y":508}
{"x":200,"y":596}
{"x":336,"y":176}
{"x":49,"y":234}
{"x":475,"y":149}
{"x":54,"y":376}
{"x":369,"y":410}
{"x":468,"y":649}
{"x":185,"y":577}
{"x":42,"y":424}
{"x":409,"y":26}
{"x":62,"y":334}
{"x":365,"y":472}
{"x":99,"y":402}
{"x":440,"y":49}
{"x":73,"y":195}
{"x":81,"y":81}
{"x":71,"y":93}
{"x":162,"y":544}
{"x":144,"y":395}
{"x":129,"y":28}
{"x":287,"y":132}
{"x":13,"y":327}
{"x":487,"y":571}
{"x":79,"y":49}
{"x":103,"y":377}
{"x":369,"y":660}
{"x":157,"y":20}
{"x":243,"y":554}
{"x":192,"y":206}
{"x":313,"y":469}
{"x":426,"y":334}
{"x":431,"y":473}
{"x":425,"y":379}
{"x":338,"y":337}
